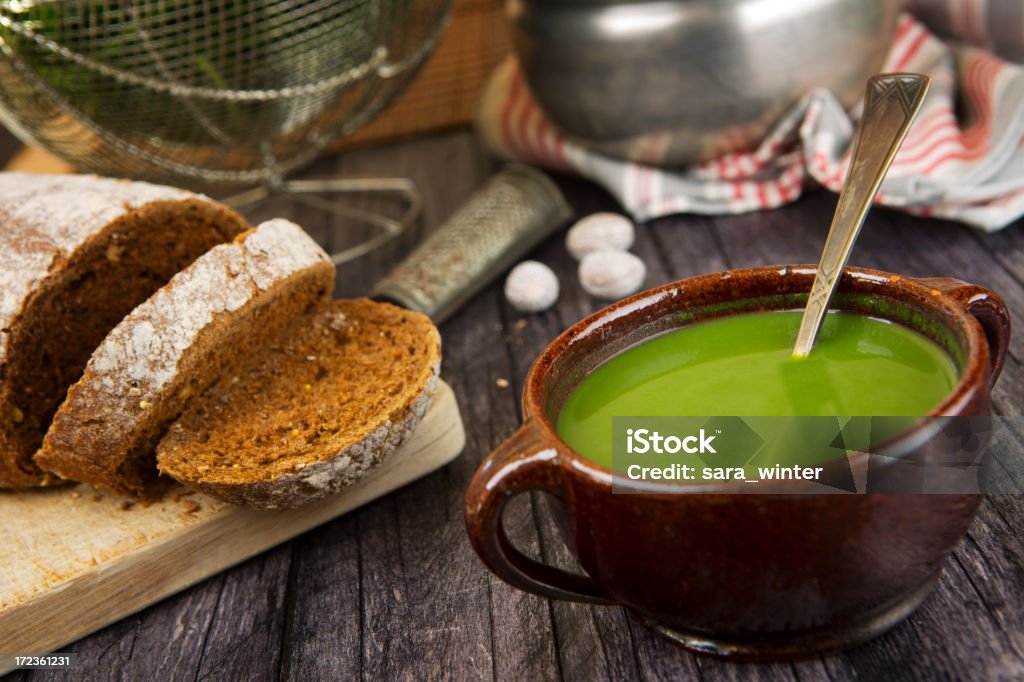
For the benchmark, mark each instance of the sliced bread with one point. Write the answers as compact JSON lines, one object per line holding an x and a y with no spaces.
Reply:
{"x":77,"y":254}
{"x":221,"y":310}
{"x":312,"y":413}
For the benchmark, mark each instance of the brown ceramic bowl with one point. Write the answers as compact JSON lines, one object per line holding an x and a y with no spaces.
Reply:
{"x":755,"y":576}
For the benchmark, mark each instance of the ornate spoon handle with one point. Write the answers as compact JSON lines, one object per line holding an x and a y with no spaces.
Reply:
{"x":890,"y":105}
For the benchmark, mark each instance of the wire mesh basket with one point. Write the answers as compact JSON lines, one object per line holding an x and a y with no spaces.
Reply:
{"x":207,"y":93}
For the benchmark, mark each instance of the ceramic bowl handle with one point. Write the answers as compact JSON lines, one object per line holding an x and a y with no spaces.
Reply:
{"x":522,"y":463}
{"x":988,"y":308}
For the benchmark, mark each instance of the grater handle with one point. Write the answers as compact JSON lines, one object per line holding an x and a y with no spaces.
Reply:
{"x":509,"y":215}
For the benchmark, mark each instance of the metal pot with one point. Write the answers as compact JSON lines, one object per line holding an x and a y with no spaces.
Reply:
{"x":678,"y":81}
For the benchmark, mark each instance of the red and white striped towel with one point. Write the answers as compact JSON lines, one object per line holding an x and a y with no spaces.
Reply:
{"x":965,"y":164}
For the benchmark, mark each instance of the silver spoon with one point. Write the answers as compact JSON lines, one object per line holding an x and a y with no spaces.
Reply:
{"x":891,"y":102}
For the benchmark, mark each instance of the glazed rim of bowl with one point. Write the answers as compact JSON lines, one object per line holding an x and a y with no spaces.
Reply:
{"x":896,"y":298}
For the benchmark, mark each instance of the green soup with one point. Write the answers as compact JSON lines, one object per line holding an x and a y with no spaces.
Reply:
{"x":742,"y":366}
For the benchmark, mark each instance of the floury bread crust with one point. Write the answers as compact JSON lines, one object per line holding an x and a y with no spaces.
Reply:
{"x":77,"y":254}
{"x":200,"y":327}
{"x":319,"y":410}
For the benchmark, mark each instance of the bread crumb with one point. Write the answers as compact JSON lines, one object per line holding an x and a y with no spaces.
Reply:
{"x":126,"y":505}
{"x":336,"y":320}
{"x":520,"y":324}
{"x":182,"y":494}
{"x":114,"y":252}
{"x":501,"y":383}
{"x":190,"y":507}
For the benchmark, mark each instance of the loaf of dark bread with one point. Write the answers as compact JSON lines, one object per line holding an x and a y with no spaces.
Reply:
{"x":77,"y":254}
{"x":200,"y":328}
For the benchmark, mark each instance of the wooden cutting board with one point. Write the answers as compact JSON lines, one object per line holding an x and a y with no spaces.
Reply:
{"x":75,"y":560}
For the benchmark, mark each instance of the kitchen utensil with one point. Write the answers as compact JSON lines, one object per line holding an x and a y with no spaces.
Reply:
{"x":890,"y":104}
{"x":679,"y":81}
{"x":215,"y":93}
{"x":505,"y":218}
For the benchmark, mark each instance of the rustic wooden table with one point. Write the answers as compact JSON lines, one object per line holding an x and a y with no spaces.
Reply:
{"x":393,"y":591}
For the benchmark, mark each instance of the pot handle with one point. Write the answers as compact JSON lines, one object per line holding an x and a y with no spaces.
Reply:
{"x":987,"y":307}
{"x":524,"y":462}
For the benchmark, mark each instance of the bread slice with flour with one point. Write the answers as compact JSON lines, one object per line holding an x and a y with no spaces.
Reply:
{"x":224,"y":308}
{"x":246,"y":382}
{"x":77,"y":254}
{"x":312,"y":413}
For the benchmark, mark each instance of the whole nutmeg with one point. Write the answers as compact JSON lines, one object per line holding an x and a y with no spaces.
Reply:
{"x":597,"y":232}
{"x":611,"y":274}
{"x":531,"y":287}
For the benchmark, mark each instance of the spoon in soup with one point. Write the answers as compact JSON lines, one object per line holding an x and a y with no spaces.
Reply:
{"x":891,"y":102}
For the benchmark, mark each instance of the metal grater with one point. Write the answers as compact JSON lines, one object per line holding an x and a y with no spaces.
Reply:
{"x":504,"y":219}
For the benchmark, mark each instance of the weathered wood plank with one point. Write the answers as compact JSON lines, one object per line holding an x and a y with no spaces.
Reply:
{"x":171,"y":639}
{"x":520,"y":627}
{"x":249,"y":616}
{"x":323,"y":610}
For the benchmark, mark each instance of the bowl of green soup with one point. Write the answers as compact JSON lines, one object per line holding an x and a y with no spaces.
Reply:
{"x":662,"y":430}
